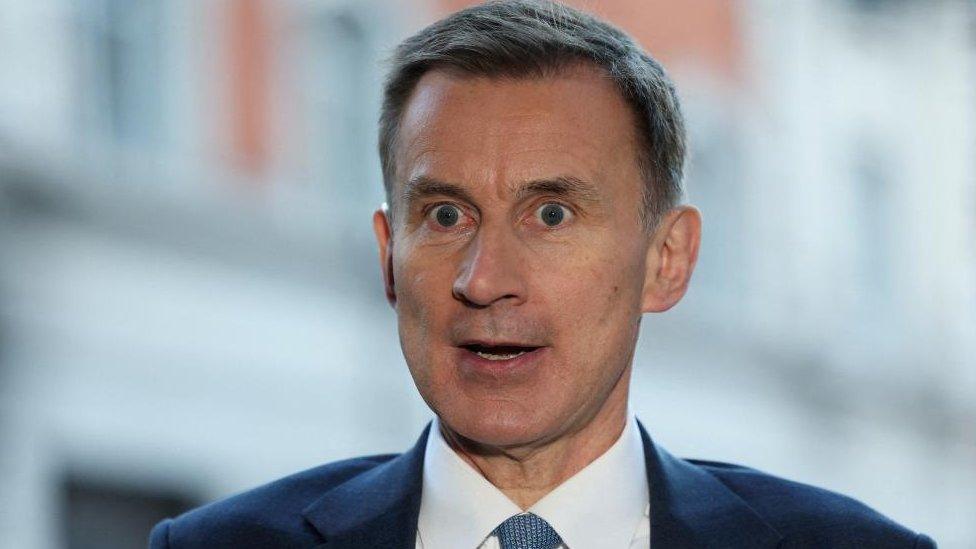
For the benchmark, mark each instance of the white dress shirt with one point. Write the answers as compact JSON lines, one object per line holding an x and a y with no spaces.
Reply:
{"x":603,"y":506}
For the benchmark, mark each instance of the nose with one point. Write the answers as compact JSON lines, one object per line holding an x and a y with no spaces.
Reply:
{"x":491,"y":271}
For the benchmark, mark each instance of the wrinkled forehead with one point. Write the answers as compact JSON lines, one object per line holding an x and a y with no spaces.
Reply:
{"x":496,"y":131}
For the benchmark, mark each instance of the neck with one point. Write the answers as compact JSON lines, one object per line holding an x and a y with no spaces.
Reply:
{"x":526,"y":474}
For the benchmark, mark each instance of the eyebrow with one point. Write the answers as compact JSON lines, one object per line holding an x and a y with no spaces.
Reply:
{"x":422,"y":187}
{"x":561,"y":186}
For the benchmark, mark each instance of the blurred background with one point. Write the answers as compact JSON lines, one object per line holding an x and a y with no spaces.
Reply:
{"x":190,"y":300}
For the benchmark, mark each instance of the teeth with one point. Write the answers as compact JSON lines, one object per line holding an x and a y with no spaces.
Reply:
{"x":490,"y":356}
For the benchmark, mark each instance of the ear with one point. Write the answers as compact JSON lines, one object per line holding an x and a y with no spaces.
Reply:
{"x":671,"y":258}
{"x":384,"y":238}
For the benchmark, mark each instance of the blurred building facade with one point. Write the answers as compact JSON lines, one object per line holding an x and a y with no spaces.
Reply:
{"x":190,"y":303}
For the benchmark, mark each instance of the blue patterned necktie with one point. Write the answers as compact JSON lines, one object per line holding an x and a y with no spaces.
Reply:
{"x":527,"y":531}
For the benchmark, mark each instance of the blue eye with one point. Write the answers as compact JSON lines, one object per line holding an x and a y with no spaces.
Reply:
{"x":447,"y":215}
{"x":551,"y":214}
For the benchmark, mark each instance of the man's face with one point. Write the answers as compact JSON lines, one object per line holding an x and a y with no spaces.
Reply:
{"x":516,"y":257}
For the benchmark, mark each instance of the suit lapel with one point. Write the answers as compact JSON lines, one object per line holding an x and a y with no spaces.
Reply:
{"x":378,"y":508}
{"x":692,"y":508}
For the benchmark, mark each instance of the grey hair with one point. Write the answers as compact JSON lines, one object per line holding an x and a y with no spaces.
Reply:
{"x":538,"y":38}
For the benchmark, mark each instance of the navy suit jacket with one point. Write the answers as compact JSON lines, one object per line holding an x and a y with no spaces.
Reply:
{"x":375,"y":501}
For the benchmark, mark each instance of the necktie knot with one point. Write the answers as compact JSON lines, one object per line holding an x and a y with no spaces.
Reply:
{"x":527,"y":531}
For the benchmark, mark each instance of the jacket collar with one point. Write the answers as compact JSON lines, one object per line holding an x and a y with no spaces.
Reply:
{"x":689,"y":507}
{"x":378,"y":508}
{"x":692,"y":508}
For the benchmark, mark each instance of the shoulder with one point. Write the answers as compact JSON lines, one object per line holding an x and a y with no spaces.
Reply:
{"x":808,"y":516}
{"x":267,"y":516}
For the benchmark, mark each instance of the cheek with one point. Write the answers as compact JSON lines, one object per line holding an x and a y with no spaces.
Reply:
{"x":599,"y":277}
{"x":596,"y":301}
{"x":415,"y":306}
{"x":413,"y":282}
{"x":423,"y":301}
{"x":409,"y":285}
{"x":413,"y":319}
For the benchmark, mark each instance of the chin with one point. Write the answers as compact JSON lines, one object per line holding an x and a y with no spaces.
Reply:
{"x":499,"y":424}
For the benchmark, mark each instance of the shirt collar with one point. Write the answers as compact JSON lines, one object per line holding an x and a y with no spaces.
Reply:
{"x":604,"y":503}
{"x":600,"y":506}
{"x":458,"y":506}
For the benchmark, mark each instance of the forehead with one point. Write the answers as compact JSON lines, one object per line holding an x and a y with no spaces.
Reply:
{"x":482,"y":130}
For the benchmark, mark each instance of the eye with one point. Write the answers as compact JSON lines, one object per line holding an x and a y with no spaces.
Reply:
{"x":446,"y":215}
{"x":552,"y":214}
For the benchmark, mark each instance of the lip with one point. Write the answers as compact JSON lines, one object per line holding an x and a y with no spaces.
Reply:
{"x":496,"y":343}
{"x":470,"y":364}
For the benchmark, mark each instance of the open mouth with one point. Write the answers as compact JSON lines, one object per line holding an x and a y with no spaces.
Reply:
{"x":498,"y":352}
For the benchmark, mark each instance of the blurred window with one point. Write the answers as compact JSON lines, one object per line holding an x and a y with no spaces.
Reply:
{"x":120,"y":50}
{"x":715,"y":186}
{"x":103,"y":516}
{"x":340,"y":117}
{"x":870,"y":5}
{"x":873,"y":222}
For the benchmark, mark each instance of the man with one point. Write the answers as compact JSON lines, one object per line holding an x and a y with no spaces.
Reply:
{"x":532,"y":158}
